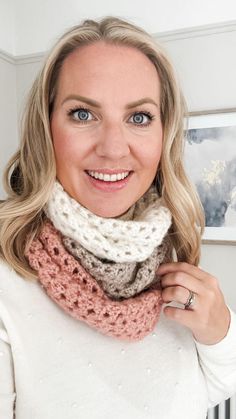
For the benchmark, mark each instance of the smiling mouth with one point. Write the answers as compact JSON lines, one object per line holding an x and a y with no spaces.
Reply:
{"x":106,"y":177}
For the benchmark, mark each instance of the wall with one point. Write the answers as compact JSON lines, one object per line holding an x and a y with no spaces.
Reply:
{"x":154,"y":15}
{"x":7,"y":26}
{"x":26,"y":71}
{"x":220,"y":261}
{"x":206,"y":64}
{"x":8,"y":114}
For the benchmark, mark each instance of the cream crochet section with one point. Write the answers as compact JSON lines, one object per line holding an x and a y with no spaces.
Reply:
{"x":110,"y":238}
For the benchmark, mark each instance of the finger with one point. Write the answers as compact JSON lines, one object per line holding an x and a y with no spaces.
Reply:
{"x":178,"y":294}
{"x":182,"y":267}
{"x":184,"y":280}
{"x":185,"y":317}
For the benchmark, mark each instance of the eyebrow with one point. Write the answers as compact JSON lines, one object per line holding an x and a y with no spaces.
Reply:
{"x":96,"y":104}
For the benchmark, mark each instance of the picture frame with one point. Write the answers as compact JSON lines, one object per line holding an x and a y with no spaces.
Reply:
{"x":210,"y":162}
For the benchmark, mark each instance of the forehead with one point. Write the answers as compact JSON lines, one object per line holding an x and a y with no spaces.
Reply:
{"x":115,"y":69}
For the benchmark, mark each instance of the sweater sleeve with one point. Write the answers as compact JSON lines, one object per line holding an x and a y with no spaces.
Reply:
{"x":7,"y":393}
{"x":218,"y":363}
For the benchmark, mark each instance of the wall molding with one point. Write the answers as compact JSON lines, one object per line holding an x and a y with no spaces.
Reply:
{"x":197,"y":31}
{"x":21,"y":59}
{"x":29,"y":58}
{"x":7,"y":57}
{"x":169,"y":36}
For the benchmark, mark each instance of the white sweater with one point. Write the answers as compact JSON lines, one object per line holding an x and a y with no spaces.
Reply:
{"x":56,"y":367}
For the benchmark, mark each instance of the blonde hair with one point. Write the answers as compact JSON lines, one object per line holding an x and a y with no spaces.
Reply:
{"x":31,"y":172}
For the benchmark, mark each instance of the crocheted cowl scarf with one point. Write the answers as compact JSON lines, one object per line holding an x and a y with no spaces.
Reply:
{"x":119,"y":279}
{"x":90,"y":295}
{"x":111,"y":238}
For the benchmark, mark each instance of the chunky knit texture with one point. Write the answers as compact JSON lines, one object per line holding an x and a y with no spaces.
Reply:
{"x":73,"y":289}
{"x":119,"y":279}
{"x":112,"y":239}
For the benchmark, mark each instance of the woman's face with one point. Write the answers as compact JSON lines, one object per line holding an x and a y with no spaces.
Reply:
{"x":106,"y":124}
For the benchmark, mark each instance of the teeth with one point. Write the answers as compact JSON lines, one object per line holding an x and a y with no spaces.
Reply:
{"x":108,"y":178}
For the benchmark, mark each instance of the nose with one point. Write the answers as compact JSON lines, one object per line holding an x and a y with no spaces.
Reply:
{"x":112,"y":142}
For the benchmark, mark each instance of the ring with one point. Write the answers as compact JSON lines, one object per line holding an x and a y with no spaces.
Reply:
{"x":191,"y":300}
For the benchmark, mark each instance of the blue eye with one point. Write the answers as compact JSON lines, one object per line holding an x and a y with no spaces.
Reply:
{"x":80,"y":114}
{"x":142,"y":119}
{"x":138,"y":118}
{"x":83,"y":116}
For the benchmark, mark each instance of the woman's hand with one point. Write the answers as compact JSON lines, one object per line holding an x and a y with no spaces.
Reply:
{"x":209,"y":317}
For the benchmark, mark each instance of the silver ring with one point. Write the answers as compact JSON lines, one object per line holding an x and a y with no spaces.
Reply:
{"x":191,"y":300}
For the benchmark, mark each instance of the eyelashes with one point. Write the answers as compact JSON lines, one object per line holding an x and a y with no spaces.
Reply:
{"x":150,"y":117}
{"x":79,"y":114}
{"x":83,"y":111}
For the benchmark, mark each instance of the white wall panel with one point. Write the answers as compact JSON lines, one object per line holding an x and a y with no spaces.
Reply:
{"x":7,"y":26}
{"x":8,"y":114}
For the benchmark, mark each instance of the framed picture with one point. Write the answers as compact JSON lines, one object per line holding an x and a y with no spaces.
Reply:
{"x":210,"y":162}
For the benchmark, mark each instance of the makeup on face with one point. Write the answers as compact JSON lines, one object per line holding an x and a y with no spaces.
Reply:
{"x":106,"y":127}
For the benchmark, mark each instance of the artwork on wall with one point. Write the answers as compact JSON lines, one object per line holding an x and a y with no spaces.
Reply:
{"x":210,"y":161}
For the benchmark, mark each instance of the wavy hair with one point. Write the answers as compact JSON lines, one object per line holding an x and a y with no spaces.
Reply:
{"x":31,"y":172}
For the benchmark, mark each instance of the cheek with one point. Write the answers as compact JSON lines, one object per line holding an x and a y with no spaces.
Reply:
{"x":152,"y":161}
{"x":64,"y":148}
{"x":150,"y":153}
{"x":65,"y":143}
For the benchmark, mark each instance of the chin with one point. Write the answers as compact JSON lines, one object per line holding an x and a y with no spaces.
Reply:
{"x":106,"y":212}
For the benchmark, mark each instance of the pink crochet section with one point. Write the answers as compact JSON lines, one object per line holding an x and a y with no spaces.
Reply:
{"x":74,"y":290}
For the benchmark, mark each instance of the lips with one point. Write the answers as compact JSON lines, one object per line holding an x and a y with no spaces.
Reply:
{"x":106,"y":177}
{"x":109,"y":186}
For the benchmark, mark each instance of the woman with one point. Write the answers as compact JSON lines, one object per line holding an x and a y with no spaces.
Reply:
{"x":104,"y":222}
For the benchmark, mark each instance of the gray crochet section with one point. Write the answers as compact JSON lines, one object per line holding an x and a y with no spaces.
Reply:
{"x":119,"y":280}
